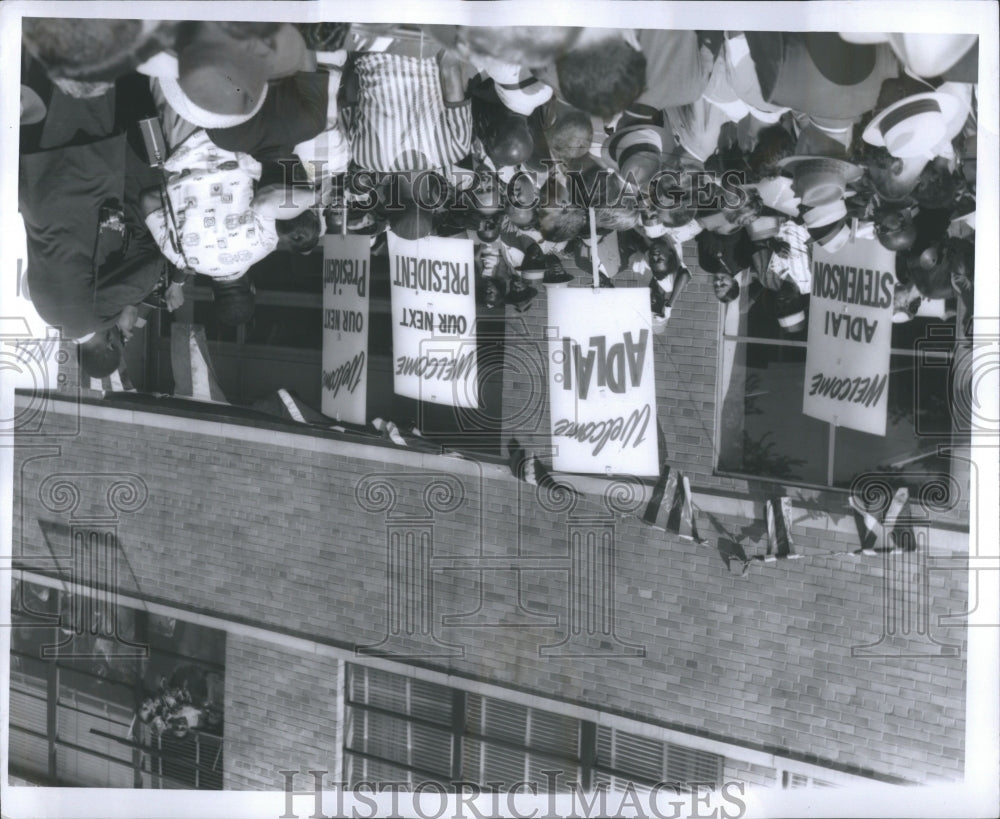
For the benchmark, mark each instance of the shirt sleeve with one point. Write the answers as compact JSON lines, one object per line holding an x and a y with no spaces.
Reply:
{"x":156,"y":222}
{"x":267,"y":232}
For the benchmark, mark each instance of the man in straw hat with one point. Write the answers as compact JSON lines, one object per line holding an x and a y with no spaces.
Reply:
{"x":909,"y":129}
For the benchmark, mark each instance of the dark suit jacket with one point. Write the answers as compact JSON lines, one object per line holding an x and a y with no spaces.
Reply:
{"x":77,"y":279}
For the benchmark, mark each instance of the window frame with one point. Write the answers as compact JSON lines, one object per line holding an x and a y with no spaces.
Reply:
{"x":586,"y":761}
{"x":736,"y":339}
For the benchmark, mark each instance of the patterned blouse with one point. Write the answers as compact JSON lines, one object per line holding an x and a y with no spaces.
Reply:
{"x":214,"y":230}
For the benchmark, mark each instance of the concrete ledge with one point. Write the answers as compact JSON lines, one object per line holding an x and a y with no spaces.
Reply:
{"x":813,"y":518}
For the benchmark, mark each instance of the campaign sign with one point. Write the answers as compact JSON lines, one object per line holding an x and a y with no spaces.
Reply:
{"x":602,"y":394}
{"x":345,"y":327}
{"x":850,"y":335}
{"x":433,"y":320}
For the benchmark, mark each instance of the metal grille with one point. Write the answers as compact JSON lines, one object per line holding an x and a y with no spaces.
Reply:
{"x":407,"y":729}
{"x":622,"y":756}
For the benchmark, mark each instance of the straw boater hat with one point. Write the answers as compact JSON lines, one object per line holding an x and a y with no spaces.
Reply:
{"x":823,"y":215}
{"x":776,"y":193}
{"x":819,"y":180}
{"x":517,"y":88}
{"x":793,"y":322}
{"x":832,"y":237}
{"x":914,"y":126}
{"x":636,"y":150}
{"x":764,"y":227}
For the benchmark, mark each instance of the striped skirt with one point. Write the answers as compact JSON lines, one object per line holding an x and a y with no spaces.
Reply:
{"x":401,"y":122}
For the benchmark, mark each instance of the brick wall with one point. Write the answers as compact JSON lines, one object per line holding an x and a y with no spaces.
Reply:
{"x":281,"y":714}
{"x":276,"y":537}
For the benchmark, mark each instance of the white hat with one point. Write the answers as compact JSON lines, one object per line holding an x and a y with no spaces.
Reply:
{"x":863,"y":37}
{"x":794,"y":320}
{"x":914,"y":126}
{"x":721,"y":93}
{"x":659,"y":324}
{"x":930,"y":55}
{"x":926,"y":55}
{"x":764,"y":227}
{"x":820,"y":180}
{"x":962,"y":91}
{"x":742,"y":75}
{"x":196,"y":115}
{"x":519,"y":91}
{"x":776,"y":193}
{"x":826,"y":214}
{"x":837,"y":240}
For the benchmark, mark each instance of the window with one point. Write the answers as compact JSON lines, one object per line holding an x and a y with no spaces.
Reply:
{"x":73,"y":711}
{"x":763,"y":433}
{"x":405,"y":730}
{"x":623,"y":757}
{"x":792,"y":781}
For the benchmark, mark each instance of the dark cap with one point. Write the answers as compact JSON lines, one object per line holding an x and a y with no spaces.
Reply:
{"x":102,"y":354}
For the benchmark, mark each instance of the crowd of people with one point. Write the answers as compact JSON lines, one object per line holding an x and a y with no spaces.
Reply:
{"x":156,"y":151}
{"x":188,"y":700}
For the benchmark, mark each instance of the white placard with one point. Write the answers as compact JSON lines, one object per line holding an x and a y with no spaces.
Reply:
{"x":346,"y":281}
{"x":434,"y":320}
{"x":602,"y":394}
{"x":850,"y":336}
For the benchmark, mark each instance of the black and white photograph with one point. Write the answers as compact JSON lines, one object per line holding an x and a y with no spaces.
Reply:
{"x":354,"y":459}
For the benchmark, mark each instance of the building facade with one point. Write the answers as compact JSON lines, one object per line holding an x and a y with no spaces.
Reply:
{"x":396,"y":614}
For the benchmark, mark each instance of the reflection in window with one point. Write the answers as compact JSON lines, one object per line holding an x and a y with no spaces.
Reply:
{"x":763,"y":432}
